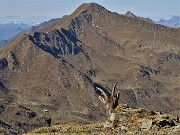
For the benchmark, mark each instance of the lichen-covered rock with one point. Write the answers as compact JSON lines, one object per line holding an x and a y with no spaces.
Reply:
{"x":123,"y":128}
{"x":108,"y":124}
{"x":119,"y":116}
{"x":146,"y":124}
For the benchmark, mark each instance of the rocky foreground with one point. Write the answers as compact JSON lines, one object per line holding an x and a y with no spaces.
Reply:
{"x":122,"y":121}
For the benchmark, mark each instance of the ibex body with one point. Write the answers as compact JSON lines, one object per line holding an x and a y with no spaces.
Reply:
{"x":111,"y":102}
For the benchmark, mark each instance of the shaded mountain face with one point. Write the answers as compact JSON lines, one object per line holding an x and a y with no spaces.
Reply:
{"x":52,"y":73}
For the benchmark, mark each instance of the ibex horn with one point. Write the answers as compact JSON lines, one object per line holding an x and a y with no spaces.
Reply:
{"x":103,"y":93}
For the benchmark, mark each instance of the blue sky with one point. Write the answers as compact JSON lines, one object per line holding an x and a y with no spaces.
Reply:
{"x":41,"y":10}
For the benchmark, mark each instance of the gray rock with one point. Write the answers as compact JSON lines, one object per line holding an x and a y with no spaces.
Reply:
{"x":158,"y":113}
{"x":123,"y":128}
{"x":124,"y":117}
{"x":177,"y":127}
{"x":164,"y":116}
{"x":108,"y":124}
{"x":146,"y":124}
{"x":142,"y":110}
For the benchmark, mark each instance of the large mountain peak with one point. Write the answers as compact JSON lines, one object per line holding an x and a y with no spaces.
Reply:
{"x":89,"y":6}
{"x":86,"y":10}
{"x":54,"y":72}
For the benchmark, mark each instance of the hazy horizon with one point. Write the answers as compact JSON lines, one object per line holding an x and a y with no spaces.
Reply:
{"x":36,"y":11}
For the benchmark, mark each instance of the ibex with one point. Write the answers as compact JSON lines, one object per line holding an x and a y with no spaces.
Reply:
{"x":111,"y":102}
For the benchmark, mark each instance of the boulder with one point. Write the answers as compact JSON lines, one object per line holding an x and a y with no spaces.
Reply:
{"x":124,"y":128}
{"x":122,"y":117}
{"x":146,"y":124}
{"x":108,"y":124}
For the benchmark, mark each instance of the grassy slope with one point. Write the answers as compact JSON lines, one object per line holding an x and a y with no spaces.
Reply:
{"x":133,"y":125}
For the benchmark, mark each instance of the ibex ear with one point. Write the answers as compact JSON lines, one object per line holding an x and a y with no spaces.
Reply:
{"x":113,"y":90}
{"x":117,"y":95}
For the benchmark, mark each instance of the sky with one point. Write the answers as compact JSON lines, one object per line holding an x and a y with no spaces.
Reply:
{"x":42,"y":10}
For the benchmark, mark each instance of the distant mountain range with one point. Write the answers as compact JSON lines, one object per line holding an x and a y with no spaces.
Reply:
{"x":9,"y":30}
{"x":172,"y":22}
{"x":3,"y":43}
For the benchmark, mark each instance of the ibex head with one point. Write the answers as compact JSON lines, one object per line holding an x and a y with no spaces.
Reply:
{"x":111,"y":102}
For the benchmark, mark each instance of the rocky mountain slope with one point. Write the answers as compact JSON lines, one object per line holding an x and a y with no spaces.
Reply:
{"x":49,"y":76}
